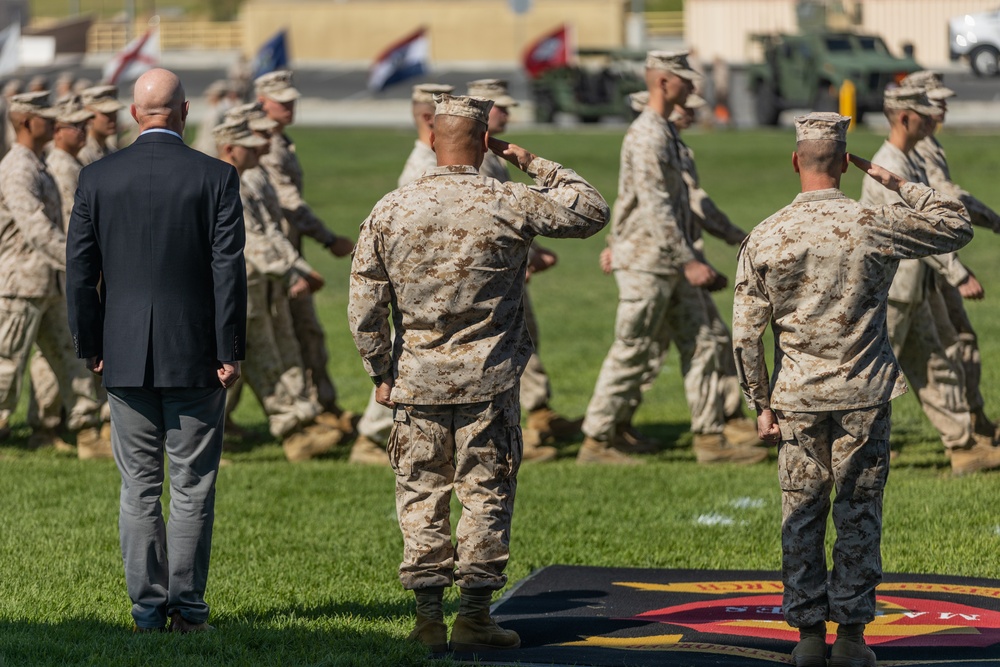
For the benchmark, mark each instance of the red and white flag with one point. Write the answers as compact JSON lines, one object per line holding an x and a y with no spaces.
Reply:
{"x":140,"y":55}
{"x":402,"y":60}
{"x":550,"y":50}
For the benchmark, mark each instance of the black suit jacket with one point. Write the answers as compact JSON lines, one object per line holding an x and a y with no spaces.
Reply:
{"x":159,"y":226}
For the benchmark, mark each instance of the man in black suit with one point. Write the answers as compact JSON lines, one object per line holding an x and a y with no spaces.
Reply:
{"x":156,"y":288}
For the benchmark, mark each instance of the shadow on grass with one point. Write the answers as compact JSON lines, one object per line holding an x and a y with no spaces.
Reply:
{"x":236,"y":641}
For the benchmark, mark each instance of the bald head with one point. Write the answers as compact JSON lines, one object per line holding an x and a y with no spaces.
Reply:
{"x":159,"y":101}
{"x":459,"y":140}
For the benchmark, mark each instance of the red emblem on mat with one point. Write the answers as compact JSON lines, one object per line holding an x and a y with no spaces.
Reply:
{"x":900,"y":621}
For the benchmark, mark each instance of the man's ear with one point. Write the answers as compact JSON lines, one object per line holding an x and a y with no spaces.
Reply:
{"x":795,"y":162}
{"x":847,"y":163}
{"x":135,"y":113}
{"x":486,"y":142}
{"x":433,"y":140}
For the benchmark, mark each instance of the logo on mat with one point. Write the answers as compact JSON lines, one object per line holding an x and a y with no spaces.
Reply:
{"x":908,"y":614}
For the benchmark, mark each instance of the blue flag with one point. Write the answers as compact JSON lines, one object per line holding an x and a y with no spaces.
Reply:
{"x":271,"y":56}
{"x":402,"y":60}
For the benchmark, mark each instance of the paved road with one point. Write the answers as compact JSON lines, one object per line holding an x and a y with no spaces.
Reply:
{"x":337,"y":95}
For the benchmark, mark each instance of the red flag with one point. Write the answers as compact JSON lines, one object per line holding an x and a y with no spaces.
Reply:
{"x":548,"y":51}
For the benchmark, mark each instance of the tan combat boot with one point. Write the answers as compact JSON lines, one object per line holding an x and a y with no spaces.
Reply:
{"x":47,"y":437}
{"x":973,"y":459}
{"x":366,"y":451}
{"x":430,"y":629}
{"x":550,"y":424}
{"x":631,"y":441}
{"x":343,"y":420}
{"x":741,"y":432}
{"x":533,"y":451}
{"x":811,"y":649}
{"x":90,"y":445}
{"x":601,"y":451}
{"x":714,"y":448}
{"x":850,"y":649}
{"x":984,"y":431}
{"x":475,"y":629}
{"x":306,"y":444}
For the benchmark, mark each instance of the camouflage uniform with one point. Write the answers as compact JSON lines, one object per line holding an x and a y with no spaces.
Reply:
{"x":954,"y":327}
{"x":819,"y":272}
{"x":935,"y":377}
{"x":460,"y":346}
{"x":285,"y":173}
{"x":376,"y":421}
{"x":271,"y":263}
{"x":422,"y":158}
{"x":650,"y":243}
{"x":705,"y":216}
{"x":45,"y":406}
{"x":65,"y":169}
{"x":33,"y":247}
{"x":536,"y":390}
{"x":94,"y":150}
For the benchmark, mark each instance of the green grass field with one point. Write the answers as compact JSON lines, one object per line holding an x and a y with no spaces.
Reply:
{"x":305,"y":556}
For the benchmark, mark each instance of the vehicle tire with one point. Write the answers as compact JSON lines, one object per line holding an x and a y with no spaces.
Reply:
{"x":985,"y":61}
{"x":590,"y":119}
{"x":766,"y":105}
{"x":545,"y":108}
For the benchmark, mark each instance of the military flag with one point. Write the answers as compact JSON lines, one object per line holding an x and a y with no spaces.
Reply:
{"x":550,"y":50}
{"x":140,"y":55}
{"x":402,"y":60}
{"x":273,"y":55}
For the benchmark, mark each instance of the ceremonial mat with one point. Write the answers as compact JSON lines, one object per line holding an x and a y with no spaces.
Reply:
{"x":572,"y":615}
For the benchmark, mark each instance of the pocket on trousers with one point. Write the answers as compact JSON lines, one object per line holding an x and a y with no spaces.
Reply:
{"x":14,"y":325}
{"x":515,"y":440}
{"x":796,"y":471}
{"x":634,"y":319}
{"x":875,"y":468}
{"x":399,"y":438}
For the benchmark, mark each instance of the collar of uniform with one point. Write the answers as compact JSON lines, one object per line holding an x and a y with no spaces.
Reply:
{"x":819,"y":195}
{"x":452,"y":169}
{"x":15,"y":147}
{"x":657,"y":118}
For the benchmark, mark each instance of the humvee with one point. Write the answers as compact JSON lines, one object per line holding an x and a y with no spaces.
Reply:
{"x":596,"y":86}
{"x":806,"y":71}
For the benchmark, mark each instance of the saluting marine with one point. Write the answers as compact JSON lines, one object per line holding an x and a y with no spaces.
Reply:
{"x":460,"y":346}
{"x":819,"y":272}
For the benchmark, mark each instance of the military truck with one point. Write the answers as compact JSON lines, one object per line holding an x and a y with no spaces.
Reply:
{"x":594,"y":87}
{"x":806,"y":70}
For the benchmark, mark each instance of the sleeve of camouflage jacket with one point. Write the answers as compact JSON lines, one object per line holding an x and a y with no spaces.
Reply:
{"x":933,"y":223}
{"x":708,"y":216}
{"x":368,"y":305}
{"x":267,"y":250}
{"x":24,"y":202}
{"x":939,"y":179}
{"x":751,"y":315}
{"x":949,"y":267}
{"x":568,"y":206}
{"x":297,"y":211}
{"x":648,"y":168}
